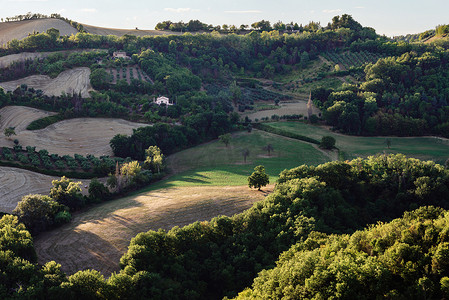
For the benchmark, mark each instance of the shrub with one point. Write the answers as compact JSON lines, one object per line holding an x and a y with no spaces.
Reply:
{"x":327,"y":142}
{"x":62,"y":217}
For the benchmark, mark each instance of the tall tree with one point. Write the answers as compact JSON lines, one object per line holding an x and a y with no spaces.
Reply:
{"x":258,"y":178}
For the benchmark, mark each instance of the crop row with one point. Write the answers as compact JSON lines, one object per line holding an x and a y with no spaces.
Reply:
{"x":352,"y":59}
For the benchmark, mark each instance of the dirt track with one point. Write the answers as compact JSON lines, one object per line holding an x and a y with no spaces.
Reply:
{"x":21,"y":29}
{"x":70,"y":81}
{"x":16,"y":183}
{"x":98,"y":238}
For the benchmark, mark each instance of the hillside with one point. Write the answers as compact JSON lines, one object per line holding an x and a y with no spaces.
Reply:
{"x":21,"y":29}
{"x":121,"y":32}
{"x":72,"y":81}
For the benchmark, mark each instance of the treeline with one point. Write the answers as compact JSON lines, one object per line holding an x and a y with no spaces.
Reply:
{"x":345,"y":21}
{"x":406,"y":95}
{"x":197,"y":128}
{"x":221,"y":257}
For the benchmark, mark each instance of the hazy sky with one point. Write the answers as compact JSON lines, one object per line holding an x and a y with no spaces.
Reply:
{"x":389,"y":17}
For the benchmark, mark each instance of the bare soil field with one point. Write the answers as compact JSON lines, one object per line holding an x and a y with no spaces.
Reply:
{"x":16,"y":183}
{"x":70,"y":81}
{"x":296,"y":107}
{"x":81,"y":135}
{"x":20,"y":117}
{"x":20,"y":29}
{"x":99,"y":237}
{"x":122,"y":32}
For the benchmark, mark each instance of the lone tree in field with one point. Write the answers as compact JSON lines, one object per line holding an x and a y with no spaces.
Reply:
{"x":327,"y":142}
{"x":388,"y":142}
{"x":268,"y":148}
{"x":259,"y":178}
{"x":9,"y":131}
{"x":225,"y":138}
{"x":245,"y":153}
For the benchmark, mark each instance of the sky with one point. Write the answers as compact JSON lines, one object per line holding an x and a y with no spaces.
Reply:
{"x":389,"y":17}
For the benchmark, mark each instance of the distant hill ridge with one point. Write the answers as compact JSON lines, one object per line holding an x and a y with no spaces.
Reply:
{"x":21,"y":29}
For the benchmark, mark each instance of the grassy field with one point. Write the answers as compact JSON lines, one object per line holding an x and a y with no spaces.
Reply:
{"x":215,"y":164}
{"x":426,"y":148}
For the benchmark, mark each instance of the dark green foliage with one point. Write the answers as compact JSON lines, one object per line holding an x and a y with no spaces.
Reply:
{"x":15,"y":238}
{"x":406,"y":258}
{"x":62,"y":217}
{"x":100,"y":79}
{"x":98,"y":191}
{"x":327,"y":142}
{"x":44,"y":122}
{"x":197,"y":128}
{"x":37,"y":212}
{"x":258,"y":178}
{"x":361,"y":191}
{"x":403,"y":95}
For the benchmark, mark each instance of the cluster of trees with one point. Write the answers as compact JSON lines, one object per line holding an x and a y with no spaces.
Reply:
{"x":345,"y":21}
{"x":405,"y":95}
{"x":41,"y":161}
{"x":196,"y":129}
{"x":406,"y":258}
{"x":221,"y":257}
{"x":41,"y":212}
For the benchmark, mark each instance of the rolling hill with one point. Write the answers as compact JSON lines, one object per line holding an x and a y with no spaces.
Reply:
{"x":21,"y":29}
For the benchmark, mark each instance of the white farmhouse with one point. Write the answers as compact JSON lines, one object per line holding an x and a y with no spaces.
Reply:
{"x":162,"y":100}
{"x":120,"y":54}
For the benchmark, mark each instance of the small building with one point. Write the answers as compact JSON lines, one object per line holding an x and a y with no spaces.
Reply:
{"x":162,"y":100}
{"x":120,"y":54}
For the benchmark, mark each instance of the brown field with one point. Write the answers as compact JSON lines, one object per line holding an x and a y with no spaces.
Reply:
{"x":81,"y":135}
{"x":21,"y":29}
{"x":16,"y":183}
{"x":70,"y":81}
{"x":99,"y":237}
{"x":293,"y":107}
{"x":122,"y":32}
{"x":20,"y":117}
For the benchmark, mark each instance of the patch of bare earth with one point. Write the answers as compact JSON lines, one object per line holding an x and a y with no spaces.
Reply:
{"x":99,"y":237}
{"x":70,"y":81}
{"x":20,"y":29}
{"x":294,"y":107}
{"x":20,"y":117}
{"x":82,"y":135}
{"x":16,"y":183}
